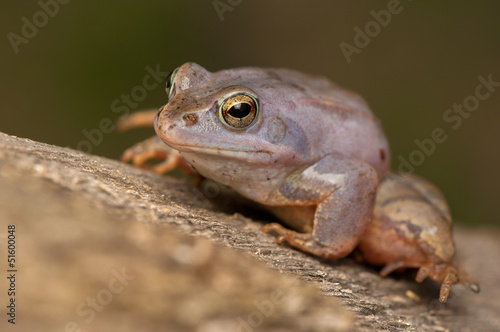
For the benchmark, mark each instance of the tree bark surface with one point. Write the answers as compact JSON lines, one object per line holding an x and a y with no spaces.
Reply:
{"x":101,"y":245}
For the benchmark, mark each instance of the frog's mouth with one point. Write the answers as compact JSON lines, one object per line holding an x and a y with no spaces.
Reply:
{"x":216,"y":151}
{"x":173,"y":132}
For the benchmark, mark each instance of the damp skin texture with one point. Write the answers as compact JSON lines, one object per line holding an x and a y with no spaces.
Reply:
{"x":312,"y":153}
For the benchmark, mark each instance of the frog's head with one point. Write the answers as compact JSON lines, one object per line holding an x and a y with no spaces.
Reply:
{"x":231,"y":116}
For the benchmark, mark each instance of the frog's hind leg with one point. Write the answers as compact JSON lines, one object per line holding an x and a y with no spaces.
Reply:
{"x":412,"y":229}
{"x":447,"y":273}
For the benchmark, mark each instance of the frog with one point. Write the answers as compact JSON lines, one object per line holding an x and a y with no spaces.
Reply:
{"x":312,"y":153}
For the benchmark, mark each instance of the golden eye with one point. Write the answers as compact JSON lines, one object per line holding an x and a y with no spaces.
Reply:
{"x":239,"y":111}
{"x":170,"y":86}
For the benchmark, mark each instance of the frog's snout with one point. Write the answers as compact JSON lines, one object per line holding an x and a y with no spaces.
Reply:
{"x":155,"y":122}
{"x":170,"y":123}
{"x":166,"y":117}
{"x":162,"y":122}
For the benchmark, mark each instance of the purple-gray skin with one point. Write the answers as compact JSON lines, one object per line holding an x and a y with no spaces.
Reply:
{"x":312,"y":153}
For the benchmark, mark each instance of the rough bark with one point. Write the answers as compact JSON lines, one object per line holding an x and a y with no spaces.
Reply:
{"x":158,"y":254}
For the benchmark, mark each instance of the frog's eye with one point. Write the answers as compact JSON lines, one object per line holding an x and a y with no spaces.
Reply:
{"x":239,"y":111}
{"x":170,"y":86}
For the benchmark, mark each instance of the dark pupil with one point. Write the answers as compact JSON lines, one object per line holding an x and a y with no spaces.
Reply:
{"x":240,"y":110}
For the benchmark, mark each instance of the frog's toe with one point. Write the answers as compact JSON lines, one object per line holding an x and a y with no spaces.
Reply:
{"x":466,"y":280}
{"x":448,"y":275}
{"x":454,"y":276}
{"x":284,"y":234}
{"x":450,"y":279}
{"x":139,"y":156}
{"x":302,"y":241}
{"x":153,"y":148}
{"x":391,"y":267}
{"x":422,"y":273}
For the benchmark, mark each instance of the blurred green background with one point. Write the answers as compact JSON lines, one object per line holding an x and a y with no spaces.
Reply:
{"x":64,"y":78}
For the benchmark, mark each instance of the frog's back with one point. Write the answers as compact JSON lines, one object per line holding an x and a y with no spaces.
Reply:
{"x":321,"y":88}
{"x":338,"y":120}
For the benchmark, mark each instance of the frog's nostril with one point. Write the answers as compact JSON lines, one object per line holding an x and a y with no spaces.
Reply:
{"x":190,"y":119}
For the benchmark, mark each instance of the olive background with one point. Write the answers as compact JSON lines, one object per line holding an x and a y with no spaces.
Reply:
{"x":65,"y":79}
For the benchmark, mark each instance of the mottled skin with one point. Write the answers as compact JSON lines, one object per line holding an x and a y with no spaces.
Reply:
{"x":412,"y":228}
{"x":315,"y":155}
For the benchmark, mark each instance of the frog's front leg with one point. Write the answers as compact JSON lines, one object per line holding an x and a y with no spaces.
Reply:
{"x":344,"y":191}
{"x":154,"y":148}
{"x":138,"y":119}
